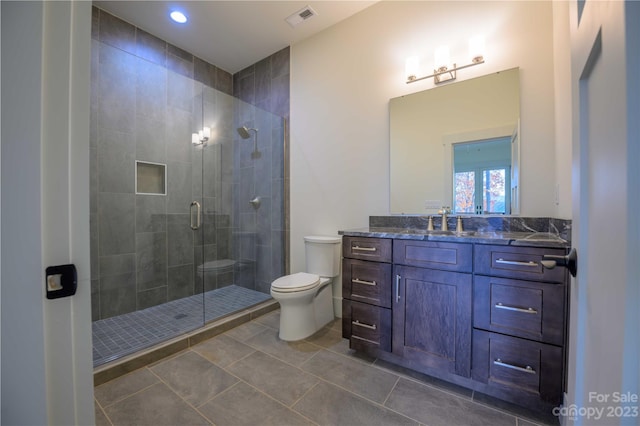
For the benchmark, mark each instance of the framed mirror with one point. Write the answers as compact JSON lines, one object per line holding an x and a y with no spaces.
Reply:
{"x":425,"y":129}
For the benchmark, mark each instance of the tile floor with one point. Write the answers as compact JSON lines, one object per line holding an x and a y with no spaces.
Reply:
{"x":247,"y":376}
{"x":125,"y":334}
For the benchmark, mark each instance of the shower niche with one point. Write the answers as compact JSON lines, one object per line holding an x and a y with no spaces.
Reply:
{"x":151,"y":178}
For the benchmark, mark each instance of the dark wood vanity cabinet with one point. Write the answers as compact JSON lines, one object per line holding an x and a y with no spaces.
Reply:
{"x":485,"y":316}
{"x":519,"y":321}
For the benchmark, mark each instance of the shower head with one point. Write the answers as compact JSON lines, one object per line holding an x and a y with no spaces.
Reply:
{"x":244,"y":132}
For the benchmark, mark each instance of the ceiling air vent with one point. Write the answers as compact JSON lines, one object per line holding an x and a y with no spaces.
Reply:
{"x":300,"y":16}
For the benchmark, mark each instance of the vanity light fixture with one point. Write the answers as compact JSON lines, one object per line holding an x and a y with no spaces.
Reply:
{"x":201,"y":137}
{"x":441,"y":71}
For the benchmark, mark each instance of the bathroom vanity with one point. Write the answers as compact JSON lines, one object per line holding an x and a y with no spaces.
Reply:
{"x":477,"y":309}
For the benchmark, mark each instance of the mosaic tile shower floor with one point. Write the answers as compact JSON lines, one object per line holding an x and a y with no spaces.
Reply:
{"x":125,"y":334}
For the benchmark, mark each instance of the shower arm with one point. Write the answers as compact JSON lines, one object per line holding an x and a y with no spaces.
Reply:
{"x":244,"y":134}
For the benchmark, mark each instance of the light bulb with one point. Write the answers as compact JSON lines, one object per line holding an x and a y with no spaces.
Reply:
{"x":411,"y":67}
{"x":476,"y":48}
{"x":442,"y":58}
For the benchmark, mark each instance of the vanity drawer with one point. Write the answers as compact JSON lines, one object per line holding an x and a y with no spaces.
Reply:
{"x":517,"y":366}
{"x":517,"y":262}
{"x":520,"y":308}
{"x":435,"y":255}
{"x":368,"y":282}
{"x":364,"y":248}
{"x":366,"y":326}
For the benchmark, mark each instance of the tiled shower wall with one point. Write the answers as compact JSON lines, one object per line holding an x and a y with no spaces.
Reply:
{"x":265,"y":85}
{"x":143,"y":104}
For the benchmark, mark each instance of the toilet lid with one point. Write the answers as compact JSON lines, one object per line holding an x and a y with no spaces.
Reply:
{"x":295,"y":282}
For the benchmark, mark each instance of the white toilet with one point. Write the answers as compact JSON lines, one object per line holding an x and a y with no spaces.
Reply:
{"x":306,"y":298}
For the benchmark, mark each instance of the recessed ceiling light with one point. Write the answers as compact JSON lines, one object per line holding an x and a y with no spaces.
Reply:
{"x":178,"y":16}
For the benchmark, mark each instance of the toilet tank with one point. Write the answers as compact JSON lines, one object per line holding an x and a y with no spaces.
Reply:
{"x":322,"y":254}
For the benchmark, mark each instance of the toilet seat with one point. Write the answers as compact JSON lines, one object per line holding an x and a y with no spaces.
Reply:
{"x":295,"y":282}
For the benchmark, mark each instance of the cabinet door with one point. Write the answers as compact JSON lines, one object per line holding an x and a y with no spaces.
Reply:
{"x":432,"y":319}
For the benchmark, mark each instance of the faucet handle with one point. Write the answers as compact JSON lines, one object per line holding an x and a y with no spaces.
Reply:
{"x":459,"y":224}
{"x":430,"y":224}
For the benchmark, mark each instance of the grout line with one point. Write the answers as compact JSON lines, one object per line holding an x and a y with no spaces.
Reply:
{"x":175,"y":392}
{"x":101,"y":409}
{"x":133,"y":394}
{"x":304,"y":394}
{"x":282,"y":403}
{"x":384,"y":403}
{"x":122,"y":398}
{"x":237,"y":339}
{"x":364,"y":398}
{"x":237,"y":361}
{"x":327,"y":381}
{"x":217,"y":395}
{"x":434,"y":387}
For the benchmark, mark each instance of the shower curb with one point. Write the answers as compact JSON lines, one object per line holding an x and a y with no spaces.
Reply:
{"x":125,"y":365}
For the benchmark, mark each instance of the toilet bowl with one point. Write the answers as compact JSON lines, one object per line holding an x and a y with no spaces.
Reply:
{"x":306,"y":298}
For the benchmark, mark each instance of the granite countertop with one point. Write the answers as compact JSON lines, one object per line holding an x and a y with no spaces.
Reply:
{"x":527,"y":239}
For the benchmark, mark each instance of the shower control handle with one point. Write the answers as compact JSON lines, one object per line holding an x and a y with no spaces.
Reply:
{"x":198,"y":211}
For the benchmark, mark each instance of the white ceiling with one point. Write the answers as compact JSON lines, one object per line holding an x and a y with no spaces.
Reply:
{"x":232,"y":34}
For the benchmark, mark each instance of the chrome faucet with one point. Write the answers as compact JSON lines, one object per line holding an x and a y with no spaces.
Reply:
{"x":459,"y":224}
{"x":430,"y":224}
{"x":444,"y":211}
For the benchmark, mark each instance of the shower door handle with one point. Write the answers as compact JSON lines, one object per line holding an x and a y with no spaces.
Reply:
{"x":197,"y":206}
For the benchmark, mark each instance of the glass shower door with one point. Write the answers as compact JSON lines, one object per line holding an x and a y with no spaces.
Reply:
{"x":241,"y":245}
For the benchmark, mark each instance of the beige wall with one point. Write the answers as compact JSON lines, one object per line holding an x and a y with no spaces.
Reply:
{"x":341,"y":83}
{"x":562,"y":86}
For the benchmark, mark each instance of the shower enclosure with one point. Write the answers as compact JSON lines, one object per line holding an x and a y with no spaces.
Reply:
{"x":187,"y":213}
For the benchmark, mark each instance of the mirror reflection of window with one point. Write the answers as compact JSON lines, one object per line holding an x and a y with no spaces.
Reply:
{"x":481,"y":176}
{"x":423,"y":126}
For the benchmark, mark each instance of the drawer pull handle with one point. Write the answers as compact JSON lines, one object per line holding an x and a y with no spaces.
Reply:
{"x":353,"y":336}
{"x":526,"y":369}
{"x":361,"y":324}
{"x":359,"y":281}
{"x":516,"y":309}
{"x":515,"y":262}
{"x":398,"y":278}
{"x":372,"y":249}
